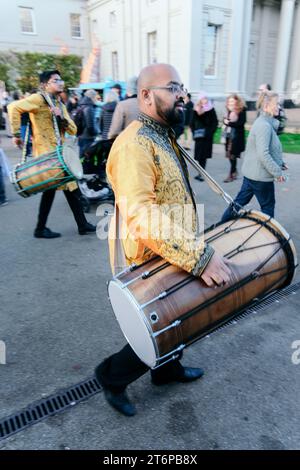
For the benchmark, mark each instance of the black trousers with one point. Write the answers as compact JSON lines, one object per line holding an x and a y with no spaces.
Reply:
{"x":233,"y":164}
{"x":73,"y":201}
{"x":124,"y":367}
{"x":200,"y":153}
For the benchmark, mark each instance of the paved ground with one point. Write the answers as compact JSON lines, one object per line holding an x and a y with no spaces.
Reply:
{"x":57,"y":325}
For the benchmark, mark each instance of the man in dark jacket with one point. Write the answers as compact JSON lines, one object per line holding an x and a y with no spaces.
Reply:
{"x":188,"y":114}
{"x":87,"y":110}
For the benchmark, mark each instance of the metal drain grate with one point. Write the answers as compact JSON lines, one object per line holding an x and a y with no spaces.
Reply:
{"x":259,"y":304}
{"x":49,"y":406}
{"x":71,"y":396}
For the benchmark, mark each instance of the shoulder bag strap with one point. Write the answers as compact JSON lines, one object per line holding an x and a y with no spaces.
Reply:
{"x":25,"y":143}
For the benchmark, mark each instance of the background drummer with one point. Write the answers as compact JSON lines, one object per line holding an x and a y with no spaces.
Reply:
{"x":147,"y":171}
{"x":44,"y":141}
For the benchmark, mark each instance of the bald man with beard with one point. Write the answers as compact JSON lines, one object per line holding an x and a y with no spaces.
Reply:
{"x":146,"y":169}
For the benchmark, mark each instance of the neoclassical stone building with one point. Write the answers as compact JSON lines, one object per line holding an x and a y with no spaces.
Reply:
{"x":220,"y":46}
{"x":47,"y":26}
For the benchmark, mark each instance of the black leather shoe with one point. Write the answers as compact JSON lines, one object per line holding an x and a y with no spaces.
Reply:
{"x":46,"y":233}
{"x":87,"y":228}
{"x":199,"y":178}
{"x":187,"y":375}
{"x":120,"y":402}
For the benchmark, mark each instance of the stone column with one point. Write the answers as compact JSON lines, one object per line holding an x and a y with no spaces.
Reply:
{"x":192,"y":41}
{"x":136,"y":49}
{"x":265,"y":19}
{"x":284,"y":44}
{"x":163,"y":33}
{"x":239,"y":45}
{"x":293,"y":78}
{"x":247,"y":22}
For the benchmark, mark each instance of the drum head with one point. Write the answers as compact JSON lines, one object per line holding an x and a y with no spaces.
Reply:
{"x":133,"y":322}
{"x":277,"y":227}
{"x":72,"y":161}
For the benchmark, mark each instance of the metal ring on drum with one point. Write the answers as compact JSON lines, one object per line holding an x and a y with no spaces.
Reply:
{"x":162,"y":309}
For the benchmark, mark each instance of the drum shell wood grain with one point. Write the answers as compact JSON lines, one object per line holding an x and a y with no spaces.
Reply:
{"x":42,"y":171}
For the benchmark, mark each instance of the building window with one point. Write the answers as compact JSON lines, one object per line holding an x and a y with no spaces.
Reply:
{"x":211,"y":50}
{"x":75,"y":25}
{"x":115,"y":65}
{"x":112,"y":18}
{"x":27,"y":20}
{"x":152,"y":47}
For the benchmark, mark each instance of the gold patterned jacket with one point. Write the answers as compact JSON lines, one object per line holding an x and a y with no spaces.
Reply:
{"x":44,"y":139}
{"x":155,"y":200}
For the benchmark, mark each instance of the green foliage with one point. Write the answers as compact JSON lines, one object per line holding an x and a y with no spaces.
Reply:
{"x":290,"y":142}
{"x":4,"y":72}
{"x":30,"y":64}
{"x":5,"y":67}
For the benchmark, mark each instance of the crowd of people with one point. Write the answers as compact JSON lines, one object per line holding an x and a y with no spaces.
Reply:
{"x":99,"y":117}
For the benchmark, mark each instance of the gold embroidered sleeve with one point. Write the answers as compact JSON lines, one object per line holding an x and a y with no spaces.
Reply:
{"x":132,"y":172}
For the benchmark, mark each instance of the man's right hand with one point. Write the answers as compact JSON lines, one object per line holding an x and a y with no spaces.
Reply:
{"x":217,"y":272}
{"x":18,"y":142}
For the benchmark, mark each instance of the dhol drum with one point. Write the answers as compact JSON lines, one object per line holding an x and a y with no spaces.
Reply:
{"x":162,"y":309}
{"x":47,"y":171}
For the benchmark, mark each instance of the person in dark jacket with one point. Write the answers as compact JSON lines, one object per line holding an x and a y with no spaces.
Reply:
{"x":234,"y":132}
{"x":188,"y":114}
{"x":108,"y":109}
{"x":118,"y":89}
{"x":179,"y":128}
{"x":204,"y":124}
{"x":72,"y":105}
{"x":89,"y":132}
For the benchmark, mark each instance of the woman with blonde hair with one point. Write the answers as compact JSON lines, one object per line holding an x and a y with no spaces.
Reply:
{"x":263,"y":162}
{"x":234,"y":132}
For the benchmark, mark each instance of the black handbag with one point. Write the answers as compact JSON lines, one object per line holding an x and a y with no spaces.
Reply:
{"x":199,"y":133}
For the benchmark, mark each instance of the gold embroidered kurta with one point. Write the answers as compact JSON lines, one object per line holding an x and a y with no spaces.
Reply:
{"x":44,"y":139}
{"x":152,"y":190}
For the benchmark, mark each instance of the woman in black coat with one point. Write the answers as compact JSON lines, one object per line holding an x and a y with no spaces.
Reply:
{"x":203,"y":125}
{"x":234,"y":133}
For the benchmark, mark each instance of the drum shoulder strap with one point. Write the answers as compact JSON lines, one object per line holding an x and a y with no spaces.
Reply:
{"x":119,"y":260}
{"x":55,"y":125}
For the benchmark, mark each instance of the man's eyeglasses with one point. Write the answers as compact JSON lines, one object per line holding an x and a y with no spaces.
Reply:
{"x":56,"y":80}
{"x":174,"y":88}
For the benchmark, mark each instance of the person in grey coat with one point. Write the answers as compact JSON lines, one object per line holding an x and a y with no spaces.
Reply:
{"x":263,"y":163}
